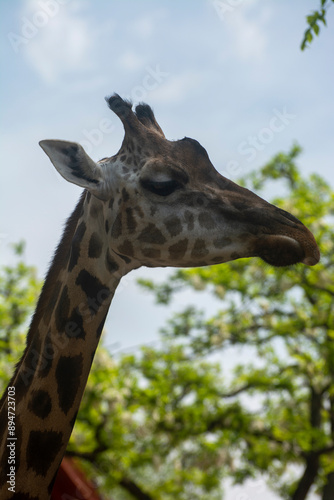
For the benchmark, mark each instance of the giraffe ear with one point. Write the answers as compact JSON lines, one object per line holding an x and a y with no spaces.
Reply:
{"x":74,"y":164}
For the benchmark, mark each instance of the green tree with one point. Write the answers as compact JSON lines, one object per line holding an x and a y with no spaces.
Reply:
{"x":314,"y":21}
{"x":142,"y":429}
{"x":19,"y":289}
{"x":285,"y":318}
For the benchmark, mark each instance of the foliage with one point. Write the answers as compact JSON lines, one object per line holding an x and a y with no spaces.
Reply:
{"x":143,"y":425}
{"x":314,"y":21}
{"x":283,"y":319}
{"x":19,"y":289}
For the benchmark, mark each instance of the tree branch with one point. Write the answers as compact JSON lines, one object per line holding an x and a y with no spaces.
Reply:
{"x":327,"y":493}
{"x":126,"y":483}
{"x":307,"y":479}
{"x":132,"y":488}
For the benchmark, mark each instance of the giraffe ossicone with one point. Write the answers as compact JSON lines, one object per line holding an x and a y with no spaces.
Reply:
{"x":155,"y":203}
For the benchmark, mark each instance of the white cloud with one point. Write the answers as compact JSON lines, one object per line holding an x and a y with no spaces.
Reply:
{"x":145,"y":26}
{"x":176,"y":87}
{"x":61,"y":41}
{"x":249,"y":38}
{"x":131,"y":61}
{"x":247,"y":34}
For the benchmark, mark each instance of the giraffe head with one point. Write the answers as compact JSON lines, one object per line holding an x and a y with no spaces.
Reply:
{"x":162,"y":203}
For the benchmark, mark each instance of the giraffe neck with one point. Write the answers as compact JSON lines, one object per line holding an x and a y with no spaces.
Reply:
{"x":51,"y":376}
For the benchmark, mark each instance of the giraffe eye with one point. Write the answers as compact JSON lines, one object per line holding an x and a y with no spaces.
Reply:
{"x":162,"y":188}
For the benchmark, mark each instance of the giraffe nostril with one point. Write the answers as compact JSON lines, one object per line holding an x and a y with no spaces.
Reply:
{"x":312,"y":255}
{"x":310,"y":261}
{"x":281,"y":250}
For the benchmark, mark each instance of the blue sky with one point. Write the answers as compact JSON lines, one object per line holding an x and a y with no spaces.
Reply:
{"x":227,"y":73}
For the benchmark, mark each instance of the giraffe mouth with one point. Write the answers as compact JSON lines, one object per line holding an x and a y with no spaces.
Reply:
{"x":279,"y":250}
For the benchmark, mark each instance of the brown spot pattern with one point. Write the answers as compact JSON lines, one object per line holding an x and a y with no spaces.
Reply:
{"x":221,"y":242}
{"x":62,"y":310}
{"x":42,"y":449}
{"x":151,"y":253}
{"x":125,"y":195}
{"x":205,"y":220}
{"x":189,"y":218}
{"x":173,"y":225}
{"x":178,"y":250}
{"x":151,"y":234}
{"x":112,"y":266}
{"x":130,"y":221}
{"x":94,"y":211}
{"x":40,"y":403}
{"x":68,"y":375}
{"x":199,"y":250}
{"x":126,"y":248}
{"x":116,"y":230}
{"x":95,"y":246}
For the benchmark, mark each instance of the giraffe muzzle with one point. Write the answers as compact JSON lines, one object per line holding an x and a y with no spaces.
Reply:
{"x":281,"y":250}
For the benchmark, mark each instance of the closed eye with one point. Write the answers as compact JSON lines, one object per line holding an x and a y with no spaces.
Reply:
{"x":161,"y":188}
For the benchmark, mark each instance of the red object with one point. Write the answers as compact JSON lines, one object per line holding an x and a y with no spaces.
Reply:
{"x":72,"y":484}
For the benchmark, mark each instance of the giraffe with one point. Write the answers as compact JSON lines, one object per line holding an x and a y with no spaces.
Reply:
{"x":155,"y":203}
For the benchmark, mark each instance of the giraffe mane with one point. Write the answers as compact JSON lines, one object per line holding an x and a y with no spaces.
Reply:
{"x":60,"y":256}
{"x":57,"y":264}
